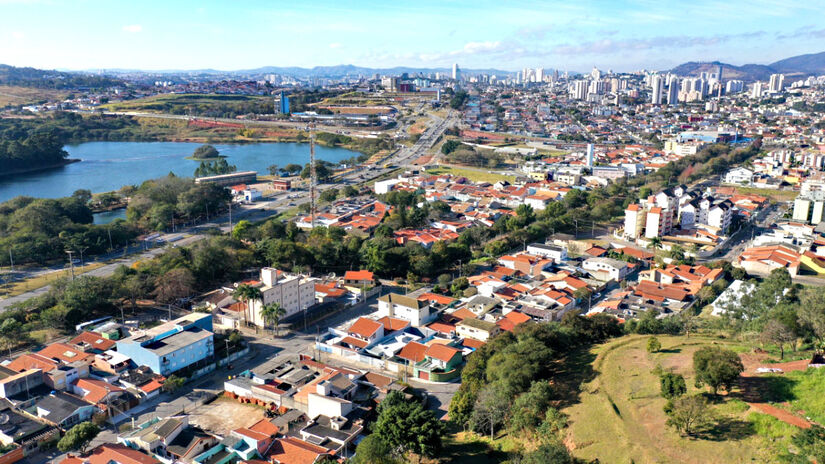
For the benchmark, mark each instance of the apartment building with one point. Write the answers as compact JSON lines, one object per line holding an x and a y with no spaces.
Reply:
{"x":293,"y":292}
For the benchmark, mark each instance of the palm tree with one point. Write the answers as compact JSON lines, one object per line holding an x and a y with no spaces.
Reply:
{"x":272,"y":313}
{"x":655,"y":244}
{"x":247,"y":293}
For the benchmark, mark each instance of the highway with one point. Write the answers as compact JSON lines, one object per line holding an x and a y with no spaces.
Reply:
{"x":262,"y":210}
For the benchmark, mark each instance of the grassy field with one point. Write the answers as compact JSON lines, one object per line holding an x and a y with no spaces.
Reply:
{"x":169,"y":102}
{"x":778,"y":195}
{"x":12,"y":95}
{"x":476,"y":175}
{"x":23,"y":286}
{"x":619,"y":417}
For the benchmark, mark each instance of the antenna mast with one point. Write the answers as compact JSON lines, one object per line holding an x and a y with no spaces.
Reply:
{"x":313,"y":175}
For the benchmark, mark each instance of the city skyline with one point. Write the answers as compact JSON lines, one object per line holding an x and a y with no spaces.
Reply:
{"x":624,"y":36}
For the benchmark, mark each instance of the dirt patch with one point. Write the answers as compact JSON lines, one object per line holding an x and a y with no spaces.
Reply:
{"x":753,"y":395}
{"x":224,"y":415}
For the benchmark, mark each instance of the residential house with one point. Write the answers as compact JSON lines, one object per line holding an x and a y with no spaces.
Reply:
{"x":63,"y":410}
{"x":477,"y":329}
{"x":405,"y":307}
{"x":606,"y":269}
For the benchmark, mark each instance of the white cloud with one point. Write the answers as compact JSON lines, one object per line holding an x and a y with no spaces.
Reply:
{"x":17,"y":35}
{"x":335,"y":45}
{"x":132,"y":28}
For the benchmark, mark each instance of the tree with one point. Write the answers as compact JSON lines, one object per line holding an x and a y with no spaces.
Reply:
{"x":716,"y":367}
{"x":78,"y":437}
{"x":205,"y":152}
{"x":272,"y":314}
{"x":247,"y":294}
{"x":273,"y":169}
{"x":529,"y":409}
{"x":405,"y":426}
{"x":778,"y":333}
{"x":688,"y":413}
{"x":655,"y":244}
{"x":175,"y":284}
{"x":11,"y":332}
{"x":672,"y":385}
{"x":293,"y":168}
{"x":491,"y":409}
{"x":173,"y":383}
{"x":549,"y":453}
{"x":243,"y":230}
{"x":812,"y":311}
{"x":653,"y":345}
{"x":349,"y":191}
{"x":329,"y":195}
{"x":373,"y":450}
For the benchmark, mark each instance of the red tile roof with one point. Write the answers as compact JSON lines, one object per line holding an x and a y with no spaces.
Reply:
{"x":413,"y":352}
{"x":364,"y":327}
{"x":441,"y":352}
{"x":97,"y":389}
{"x":94,"y":340}
{"x":291,"y":450}
{"x":393,"y":324}
{"x":359,"y":275}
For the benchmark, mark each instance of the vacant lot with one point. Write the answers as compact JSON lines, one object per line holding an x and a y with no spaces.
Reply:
{"x":475,"y":175}
{"x":224,"y":415}
{"x":12,"y":95}
{"x":182,"y":103}
{"x":619,"y":418}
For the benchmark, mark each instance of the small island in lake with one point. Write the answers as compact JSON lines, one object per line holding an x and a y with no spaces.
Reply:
{"x":206,"y":152}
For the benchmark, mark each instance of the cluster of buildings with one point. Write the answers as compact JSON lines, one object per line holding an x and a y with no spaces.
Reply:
{"x":102,"y":372}
{"x":679,"y":215}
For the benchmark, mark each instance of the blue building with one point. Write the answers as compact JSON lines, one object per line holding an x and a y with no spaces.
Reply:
{"x":172,"y":346}
{"x":283,"y":103}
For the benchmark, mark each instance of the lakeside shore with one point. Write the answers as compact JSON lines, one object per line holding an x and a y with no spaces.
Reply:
{"x":39,"y":168}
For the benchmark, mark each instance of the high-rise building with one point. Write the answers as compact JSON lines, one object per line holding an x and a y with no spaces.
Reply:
{"x":777,"y":82}
{"x":456,"y":71}
{"x":539,"y":74}
{"x":673,"y":92}
{"x":595,"y":74}
{"x":589,"y":155}
{"x":657,"y":82}
{"x":283,"y":103}
{"x":756,"y":92}
{"x":734,"y":86}
{"x":578,"y":90}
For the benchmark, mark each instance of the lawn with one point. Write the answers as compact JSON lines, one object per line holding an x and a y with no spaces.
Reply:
{"x":475,"y":175}
{"x":619,"y":416}
{"x":800,"y":391}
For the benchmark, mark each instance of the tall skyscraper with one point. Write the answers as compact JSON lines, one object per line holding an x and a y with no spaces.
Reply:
{"x":658,"y":89}
{"x":539,"y":74}
{"x":595,"y":74}
{"x":673,"y":92}
{"x":777,"y":82}
{"x":456,"y":71}
{"x":283,"y":103}
{"x":756,"y":92}
{"x":589,"y":155}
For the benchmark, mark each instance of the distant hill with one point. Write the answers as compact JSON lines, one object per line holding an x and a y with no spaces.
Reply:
{"x":794,"y":67}
{"x":812,"y":63}
{"x":45,"y":79}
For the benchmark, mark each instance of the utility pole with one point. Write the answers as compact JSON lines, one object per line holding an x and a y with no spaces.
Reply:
{"x":313,"y":182}
{"x":81,"y":254}
{"x":71,"y":262}
{"x":109,"y":230}
{"x":11,"y":260}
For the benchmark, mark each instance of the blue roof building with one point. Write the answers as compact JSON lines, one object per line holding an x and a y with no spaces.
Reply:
{"x":172,"y":346}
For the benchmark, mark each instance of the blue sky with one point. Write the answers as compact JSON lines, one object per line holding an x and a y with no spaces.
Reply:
{"x":623,"y":35}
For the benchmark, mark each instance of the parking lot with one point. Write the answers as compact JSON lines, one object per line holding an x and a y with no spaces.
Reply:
{"x":224,"y":415}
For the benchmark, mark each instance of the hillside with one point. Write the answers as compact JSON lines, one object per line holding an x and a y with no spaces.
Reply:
{"x":50,"y":79}
{"x":796,"y":66}
{"x":812,"y":63}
